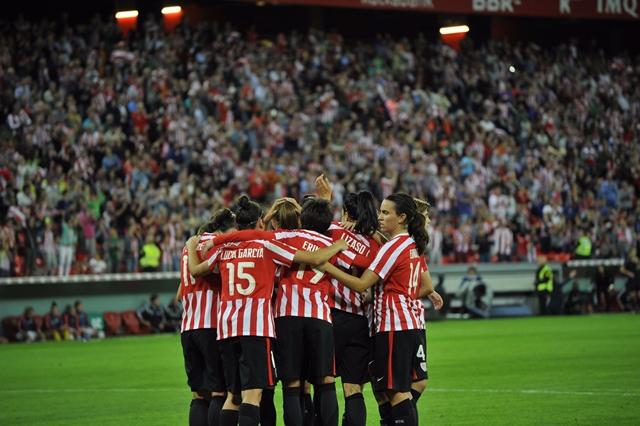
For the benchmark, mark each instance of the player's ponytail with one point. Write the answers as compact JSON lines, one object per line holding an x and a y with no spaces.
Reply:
{"x":415,"y":220}
{"x":247,"y":212}
{"x":361,"y":208}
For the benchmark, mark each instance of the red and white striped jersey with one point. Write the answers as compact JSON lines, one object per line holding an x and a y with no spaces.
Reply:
{"x":303,"y":291}
{"x":200,"y":296}
{"x":400,"y":267}
{"x":342,"y":297}
{"x":247,"y":271}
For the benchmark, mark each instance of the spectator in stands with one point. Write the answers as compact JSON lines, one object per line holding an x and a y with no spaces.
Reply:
{"x":67,"y":245}
{"x":173,"y":314}
{"x":152,"y":315}
{"x":53,"y":323}
{"x":97,"y":264}
{"x":5,"y":259}
{"x":481,"y":145}
{"x":28,"y":329}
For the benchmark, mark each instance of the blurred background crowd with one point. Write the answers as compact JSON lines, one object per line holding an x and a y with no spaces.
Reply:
{"x":114,"y":149}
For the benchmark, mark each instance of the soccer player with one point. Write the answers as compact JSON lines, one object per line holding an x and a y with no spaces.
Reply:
{"x":245,"y":321}
{"x":400,"y":265}
{"x":348,"y":309}
{"x":303,"y":316}
{"x":198,"y":330}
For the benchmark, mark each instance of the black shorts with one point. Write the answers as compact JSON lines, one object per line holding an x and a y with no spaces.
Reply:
{"x":400,"y":360}
{"x":202,"y":360}
{"x":305,"y":349}
{"x":353,"y":346}
{"x":248,"y":363}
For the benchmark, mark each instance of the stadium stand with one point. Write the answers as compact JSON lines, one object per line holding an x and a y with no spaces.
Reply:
{"x":108,"y":140}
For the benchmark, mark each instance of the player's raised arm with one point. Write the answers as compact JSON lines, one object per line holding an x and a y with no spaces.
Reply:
{"x":318,"y":257}
{"x":359,"y":284}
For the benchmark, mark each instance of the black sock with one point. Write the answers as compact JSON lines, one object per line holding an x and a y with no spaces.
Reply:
{"x":308,"y":413}
{"x":317,"y":397}
{"x":355,"y":411}
{"x":385,"y":413}
{"x":328,"y":404}
{"x":198,"y":412}
{"x":416,"y":396}
{"x":291,"y":405}
{"x":248,"y":415}
{"x":228,"y":417}
{"x":213,"y":416}
{"x":267,"y":409}
{"x":404,"y":413}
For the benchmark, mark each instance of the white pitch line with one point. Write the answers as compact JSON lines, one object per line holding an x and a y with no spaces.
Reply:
{"x":603,"y":392}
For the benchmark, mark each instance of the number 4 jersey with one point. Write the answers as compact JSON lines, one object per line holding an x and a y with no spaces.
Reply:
{"x":247,"y":270}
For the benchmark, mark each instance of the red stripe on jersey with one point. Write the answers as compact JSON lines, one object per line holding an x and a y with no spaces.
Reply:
{"x":342,"y":297}
{"x":269,"y":366}
{"x":400,"y":266}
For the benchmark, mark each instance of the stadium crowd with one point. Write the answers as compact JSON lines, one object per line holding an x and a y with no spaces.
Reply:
{"x":112,"y":144}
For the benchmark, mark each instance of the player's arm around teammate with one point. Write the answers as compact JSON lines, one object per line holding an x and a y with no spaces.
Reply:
{"x":400,"y":265}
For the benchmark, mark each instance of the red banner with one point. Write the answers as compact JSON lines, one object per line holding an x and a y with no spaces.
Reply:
{"x":589,"y":9}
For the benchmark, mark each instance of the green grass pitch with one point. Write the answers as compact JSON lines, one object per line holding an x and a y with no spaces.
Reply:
{"x":535,"y":371}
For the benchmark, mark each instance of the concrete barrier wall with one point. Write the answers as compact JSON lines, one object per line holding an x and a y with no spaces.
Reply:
{"x":121,"y":292}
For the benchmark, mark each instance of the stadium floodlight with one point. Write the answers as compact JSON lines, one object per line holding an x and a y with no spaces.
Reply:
{"x":127,"y":14}
{"x":171,"y":10}
{"x":458,"y":29}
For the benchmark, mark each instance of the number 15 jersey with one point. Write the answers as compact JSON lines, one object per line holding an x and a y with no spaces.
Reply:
{"x":247,"y":271}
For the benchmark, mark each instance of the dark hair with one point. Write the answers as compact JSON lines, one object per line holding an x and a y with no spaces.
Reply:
{"x":153,"y":297}
{"x":361,"y":208}
{"x":415,"y":221}
{"x":75,"y":305}
{"x":316,"y":215}
{"x":221,"y":220}
{"x":247,"y":212}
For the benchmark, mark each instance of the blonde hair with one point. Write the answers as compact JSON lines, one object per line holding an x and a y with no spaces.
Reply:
{"x":423,"y":208}
{"x":286,"y":212}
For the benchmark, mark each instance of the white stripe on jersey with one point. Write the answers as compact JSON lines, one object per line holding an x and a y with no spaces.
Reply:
{"x":196,"y":321}
{"x":207,"y":309}
{"x":294,"y":301}
{"x":224,"y":318}
{"x":381,"y":253}
{"x":190,"y":311}
{"x":391,"y":260}
{"x":274,"y":248}
{"x":306,"y":293}
{"x":248,"y":314}
{"x":234,"y":317}
{"x":260,"y":325}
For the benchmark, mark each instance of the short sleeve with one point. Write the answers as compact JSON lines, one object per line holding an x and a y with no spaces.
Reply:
{"x":281,"y":253}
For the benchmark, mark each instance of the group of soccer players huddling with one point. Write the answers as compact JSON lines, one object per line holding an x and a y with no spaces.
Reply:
{"x":291,"y":295}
